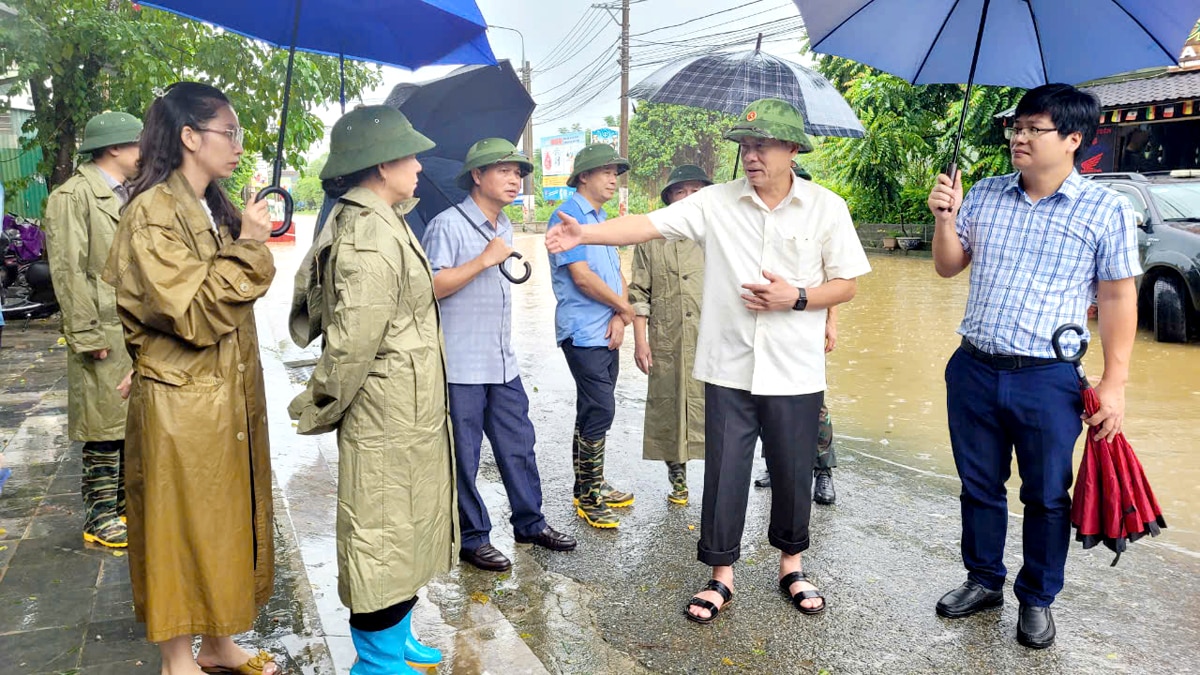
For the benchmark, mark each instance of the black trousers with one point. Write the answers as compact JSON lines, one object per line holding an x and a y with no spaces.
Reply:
{"x":373,"y":622}
{"x":595,"y":371}
{"x":733,"y":422}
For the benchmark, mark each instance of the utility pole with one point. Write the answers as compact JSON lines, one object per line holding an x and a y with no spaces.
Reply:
{"x":624,"y":137}
{"x":527,"y":137}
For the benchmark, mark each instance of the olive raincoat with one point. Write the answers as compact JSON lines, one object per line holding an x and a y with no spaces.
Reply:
{"x":366,"y":286}
{"x":668,"y":278}
{"x":198,"y":471}
{"x":81,"y":219}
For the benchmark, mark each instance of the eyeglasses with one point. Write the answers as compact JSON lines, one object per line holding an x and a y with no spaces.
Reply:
{"x":235,"y":135}
{"x":1032,"y":132}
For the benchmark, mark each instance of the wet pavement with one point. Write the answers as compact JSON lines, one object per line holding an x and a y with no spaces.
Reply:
{"x":882,"y":556}
{"x":66,"y":606}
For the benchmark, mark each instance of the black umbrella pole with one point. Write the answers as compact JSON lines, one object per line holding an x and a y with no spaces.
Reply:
{"x":277,"y":172}
{"x":952,"y":167}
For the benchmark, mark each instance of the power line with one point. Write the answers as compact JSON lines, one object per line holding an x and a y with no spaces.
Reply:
{"x":568,"y":34}
{"x":597,"y":28}
{"x":699,"y":18}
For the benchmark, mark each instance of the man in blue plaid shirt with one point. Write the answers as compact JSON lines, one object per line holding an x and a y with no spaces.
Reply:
{"x":1041,"y":244}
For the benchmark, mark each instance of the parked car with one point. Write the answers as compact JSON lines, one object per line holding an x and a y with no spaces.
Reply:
{"x":1167,"y":208}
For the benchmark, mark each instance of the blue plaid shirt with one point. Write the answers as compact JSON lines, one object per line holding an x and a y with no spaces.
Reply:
{"x":476,"y":319}
{"x":1035,"y":267}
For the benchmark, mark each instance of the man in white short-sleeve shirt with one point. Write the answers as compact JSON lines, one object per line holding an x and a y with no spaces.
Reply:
{"x":779,"y":251}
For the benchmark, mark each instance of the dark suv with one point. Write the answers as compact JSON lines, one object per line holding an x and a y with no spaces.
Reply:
{"x":1167,"y":208}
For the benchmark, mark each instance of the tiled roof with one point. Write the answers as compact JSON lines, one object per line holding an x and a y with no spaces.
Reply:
{"x":1165,"y":87}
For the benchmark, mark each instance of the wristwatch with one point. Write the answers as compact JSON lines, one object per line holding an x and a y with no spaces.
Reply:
{"x":802,"y":301}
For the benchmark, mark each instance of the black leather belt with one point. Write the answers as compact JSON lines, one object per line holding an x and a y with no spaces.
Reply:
{"x":1005,"y":361}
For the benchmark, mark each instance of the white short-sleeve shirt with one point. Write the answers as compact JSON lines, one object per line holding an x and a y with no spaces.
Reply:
{"x":808,"y":239}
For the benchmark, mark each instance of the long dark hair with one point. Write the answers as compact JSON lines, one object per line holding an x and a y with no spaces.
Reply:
{"x":185,"y":104}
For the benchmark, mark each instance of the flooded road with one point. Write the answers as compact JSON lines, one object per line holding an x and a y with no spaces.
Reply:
{"x":887,"y":386}
{"x":883,"y":555}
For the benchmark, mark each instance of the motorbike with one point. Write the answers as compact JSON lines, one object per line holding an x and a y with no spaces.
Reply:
{"x":25,"y":287}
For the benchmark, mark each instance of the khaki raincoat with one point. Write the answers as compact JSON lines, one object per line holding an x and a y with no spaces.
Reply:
{"x":81,"y":219}
{"x":381,"y":383}
{"x":668,"y":278}
{"x":198,"y":464}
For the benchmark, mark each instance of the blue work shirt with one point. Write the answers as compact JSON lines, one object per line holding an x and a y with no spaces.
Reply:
{"x":578,"y":317}
{"x":477,"y":319}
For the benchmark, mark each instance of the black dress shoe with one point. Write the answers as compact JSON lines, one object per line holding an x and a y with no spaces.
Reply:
{"x":487,"y":558}
{"x":763,"y":481}
{"x":967,"y":600}
{"x":823,"y":489}
{"x":1035,"y":627}
{"x":551,"y":539}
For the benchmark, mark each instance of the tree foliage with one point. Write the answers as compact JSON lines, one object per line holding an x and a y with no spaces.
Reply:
{"x":663,"y":136}
{"x":885,"y":177}
{"x":77,"y":58}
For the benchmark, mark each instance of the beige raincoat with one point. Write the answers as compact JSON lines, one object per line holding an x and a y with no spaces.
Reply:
{"x":367,"y":288}
{"x":198,"y":464}
{"x":81,"y":219}
{"x":668,"y":278}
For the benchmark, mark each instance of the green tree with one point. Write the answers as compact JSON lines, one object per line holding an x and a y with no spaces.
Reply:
{"x":663,"y":136}
{"x":77,"y":58}
{"x":308,"y":193}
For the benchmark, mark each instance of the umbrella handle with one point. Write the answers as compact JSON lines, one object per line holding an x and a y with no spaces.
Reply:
{"x":508,"y":275}
{"x":288,"y":207}
{"x":1057,"y":338}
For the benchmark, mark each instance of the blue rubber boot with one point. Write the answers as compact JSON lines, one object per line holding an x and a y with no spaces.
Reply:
{"x":417,"y":654}
{"x":381,"y":652}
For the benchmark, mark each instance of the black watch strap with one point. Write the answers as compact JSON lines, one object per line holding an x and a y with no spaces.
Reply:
{"x":802,"y":301}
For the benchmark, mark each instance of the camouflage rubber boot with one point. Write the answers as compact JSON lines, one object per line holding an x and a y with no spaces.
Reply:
{"x":591,"y":506}
{"x":611,"y":496}
{"x":101,"y":468}
{"x":575,"y":463}
{"x":677,"y":472}
{"x":121,"y":483}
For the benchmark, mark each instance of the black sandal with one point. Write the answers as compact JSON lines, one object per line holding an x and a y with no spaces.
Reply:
{"x":696,"y":601}
{"x":785,"y":586}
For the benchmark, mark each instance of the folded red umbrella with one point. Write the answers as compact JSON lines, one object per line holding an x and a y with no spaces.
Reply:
{"x":1113,"y":503}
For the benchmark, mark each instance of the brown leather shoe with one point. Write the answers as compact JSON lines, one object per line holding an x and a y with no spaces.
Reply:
{"x":486,"y":558}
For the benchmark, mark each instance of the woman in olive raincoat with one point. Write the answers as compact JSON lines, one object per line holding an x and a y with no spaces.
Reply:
{"x":367,"y":288}
{"x":187,"y":268}
{"x":668,"y":277}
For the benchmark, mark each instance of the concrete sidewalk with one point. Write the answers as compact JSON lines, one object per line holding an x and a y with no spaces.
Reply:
{"x":66,"y":606}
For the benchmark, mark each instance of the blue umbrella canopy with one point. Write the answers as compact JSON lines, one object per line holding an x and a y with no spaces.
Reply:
{"x":1015,"y":43}
{"x":404,"y":33}
{"x":730,"y":81}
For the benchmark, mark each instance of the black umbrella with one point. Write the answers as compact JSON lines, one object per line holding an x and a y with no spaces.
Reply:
{"x":468,"y":105}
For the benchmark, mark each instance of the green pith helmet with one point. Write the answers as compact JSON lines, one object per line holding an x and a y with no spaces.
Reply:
{"x":684,"y":173}
{"x":108,"y":129}
{"x":487,"y":152}
{"x":774,"y":119}
{"x":595,"y":156}
{"x":371,"y":135}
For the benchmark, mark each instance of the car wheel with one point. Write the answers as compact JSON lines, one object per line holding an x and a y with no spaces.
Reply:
{"x":1170,"y":312}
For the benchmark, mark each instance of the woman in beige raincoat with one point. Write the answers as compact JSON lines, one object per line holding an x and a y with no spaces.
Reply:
{"x":187,"y":268}
{"x":668,"y":277}
{"x":367,"y":289}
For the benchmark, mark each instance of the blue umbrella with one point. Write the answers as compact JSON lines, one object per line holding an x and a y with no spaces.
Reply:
{"x":404,"y":33}
{"x":1016,"y":43}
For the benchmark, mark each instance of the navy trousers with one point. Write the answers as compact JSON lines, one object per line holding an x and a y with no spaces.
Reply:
{"x":1035,"y":410}
{"x":595,"y":371}
{"x":501,"y":411}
